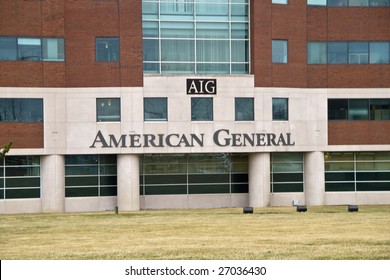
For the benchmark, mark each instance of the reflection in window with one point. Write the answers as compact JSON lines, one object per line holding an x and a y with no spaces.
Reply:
{"x":201,"y":109}
{"x":279,"y":51}
{"x":21,"y":110}
{"x":155,"y":109}
{"x":108,"y":109}
{"x":280,"y":109}
{"x":337,"y":52}
{"x":107,"y":49}
{"x":29,"y":49}
{"x":244,"y":109}
{"x":359,"y":109}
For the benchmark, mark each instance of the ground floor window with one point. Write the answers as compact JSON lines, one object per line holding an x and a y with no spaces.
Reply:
{"x":20,"y":177}
{"x":286,"y":172}
{"x":90,"y":175}
{"x":362,"y":171}
{"x":182,"y":174}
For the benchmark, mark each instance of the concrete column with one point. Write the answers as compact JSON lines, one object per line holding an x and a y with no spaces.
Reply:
{"x":259,"y":180}
{"x":314,"y":178}
{"x":53,"y":183}
{"x":128,"y":182}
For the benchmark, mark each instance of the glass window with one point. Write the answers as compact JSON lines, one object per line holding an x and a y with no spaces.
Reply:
{"x":155,"y":109}
{"x":316,"y":2}
{"x":8,"y":48}
{"x":107,"y":49}
{"x":279,"y":51}
{"x":29,"y":49}
{"x":244,"y":109}
{"x":201,"y":109}
{"x":337,"y":53}
{"x":21,"y":110}
{"x":280,"y":109}
{"x":377,"y":3}
{"x":108,"y":109}
{"x":205,"y":37}
{"x":379,"y":52}
{"x":53,"y":49}
{"x":316,"y":53}
{"x":337,"y":109}
{"x":286,"y":172}
{"x":380,"y":109}
{"x":279,"y":1}
{"x":358,"y":52}
{"x":358,"y":3}
{"x":337,"y":2}
{"x":358,"y":109}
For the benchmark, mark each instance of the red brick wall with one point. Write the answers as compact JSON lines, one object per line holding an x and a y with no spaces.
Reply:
{"x":79,"y":22}
{"x":22,"y":135}
{"x":358,"y":132}
{"x":299,"y":24}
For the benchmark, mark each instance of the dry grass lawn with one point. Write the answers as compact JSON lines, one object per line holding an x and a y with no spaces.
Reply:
{"x":269,"y":233}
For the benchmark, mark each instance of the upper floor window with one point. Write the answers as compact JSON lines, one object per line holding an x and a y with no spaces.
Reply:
{"x":280,"y":109}
{"x":359,"y":109}
{"x":348,"y":52}
{"x":21,"y":110}
{"x":155,"y":109}
{"x":244,"y":109}
{"x":201,"y":109}
{"x":350,"y":3}
{"x":32,"y":49}
{"x":107,"y":49}
{"x":108,"y":109}
{"x":285,"y":2}
{"x":279,"y":51}
{"x":195,"y":36}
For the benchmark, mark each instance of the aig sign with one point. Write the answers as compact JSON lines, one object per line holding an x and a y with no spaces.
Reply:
{"x":201,"y":86}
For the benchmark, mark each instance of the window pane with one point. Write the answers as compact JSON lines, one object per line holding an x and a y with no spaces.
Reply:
{"x":337,"y":52}
{"x":213,"y":51}
{"x":177,"y":50}
{"x":358,"y":52}
{"x":316,"y":53}
{"x":379,"y":52}
{"x":240,"y":31}
{"x":212,"y":30}
{"x":279,"y":1}
{"x":53,"y":49}
{"x":151,"y":50}
{"x":337,"y":2}
{"x":8,"y":48}
{"x":239,"y":12}
{"x":377,"y":3}
{"x":358,"y":109}
{"x":358,"y":3}
{"x":177,"y":29}
{"x":244,"y":109}
{"x":21,"y":110}
{"x":150,"y":29}
{"x":240,"y":51}
{"x":215,"y":12}
{"x":280,"y":109}
{"x":29,"y":49}
{"x":379,"y":109}
{"x":155,"y":109}
{"x":177,"y":11}
{"x":107,"y":49}
{"x":108,"y":109}
{"x":337,"y":109}
{"x":279,"y":51}
{"x":317,"y":2}
{"x":201,"y":109}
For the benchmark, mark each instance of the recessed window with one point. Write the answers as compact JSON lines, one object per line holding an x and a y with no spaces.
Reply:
{"x":280,"y":109}
{"x":21,"y":110}
{"x":202,"y":109}
{"x":107,"y":49}
{"x":244,"y":109}
{"x":280,"y":2}
{"x":279,"y":51}
{"x":108,"y":110}
{"x":29,"y":49}
{"x":155,"y":109}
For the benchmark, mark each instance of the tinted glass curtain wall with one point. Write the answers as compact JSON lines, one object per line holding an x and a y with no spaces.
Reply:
{"x":196,"y":36}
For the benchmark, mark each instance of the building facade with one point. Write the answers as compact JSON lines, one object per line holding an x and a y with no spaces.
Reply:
{"x":155,"y":104}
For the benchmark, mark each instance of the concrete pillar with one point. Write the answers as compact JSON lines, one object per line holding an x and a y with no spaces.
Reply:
{"x":259,"y":180}
{"x":128,"y":183}
{"x":314,"y":178}
{"x":53,"y":183}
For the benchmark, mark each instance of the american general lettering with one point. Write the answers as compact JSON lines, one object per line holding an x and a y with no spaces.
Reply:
{"x":221,"y":138}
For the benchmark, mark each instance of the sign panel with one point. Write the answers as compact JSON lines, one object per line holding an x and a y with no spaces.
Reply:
{"x":201,"y":86}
